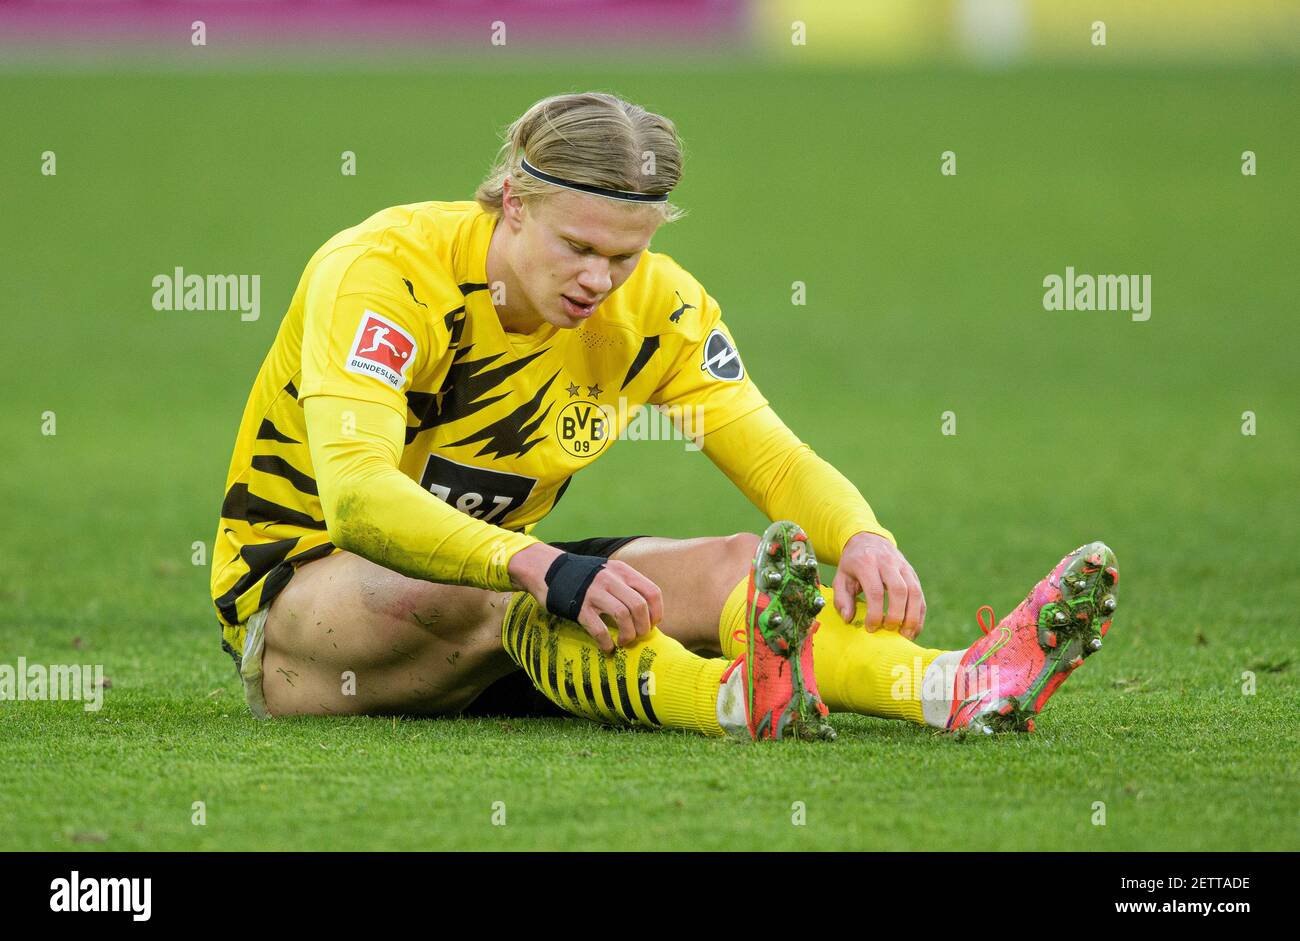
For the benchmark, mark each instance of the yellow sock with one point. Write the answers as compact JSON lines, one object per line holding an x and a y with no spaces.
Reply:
{"x":874,"y":673}
{"x":656,"y":682}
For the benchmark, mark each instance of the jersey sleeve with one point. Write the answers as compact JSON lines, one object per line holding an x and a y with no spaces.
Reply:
{"x":707,"y":377}
{"x":374,"y":510}
{"x":785,"y":479}
{"x":361,"y":339}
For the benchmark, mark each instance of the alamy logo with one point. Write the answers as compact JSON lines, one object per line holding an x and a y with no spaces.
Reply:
{"x":181,"y":291}
{"x":1126,"y":292}
{"x":63,"y":681}
{"x":76,"y":894}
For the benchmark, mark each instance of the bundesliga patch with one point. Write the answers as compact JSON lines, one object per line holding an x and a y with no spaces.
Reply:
{"x":381,"y":349}
{"x":721,"y":360}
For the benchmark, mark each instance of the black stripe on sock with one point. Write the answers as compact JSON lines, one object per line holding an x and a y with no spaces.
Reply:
{"x":608,"y":708}
{"x":535,"y":656}
{"x":526,"y":651}
{"x":552,"y":655}
{"x":520,"y":633}
{"x":569,"y":689}
{"x":510,"y":631}
{"x":643,"y":669}
{"x":620,"y":677}
{"x":586,"y":680}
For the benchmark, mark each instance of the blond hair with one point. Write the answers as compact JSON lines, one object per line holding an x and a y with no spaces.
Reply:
{"x":591,"y":138}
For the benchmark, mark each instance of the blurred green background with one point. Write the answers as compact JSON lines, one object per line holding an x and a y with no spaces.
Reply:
{"x":924,"y":295}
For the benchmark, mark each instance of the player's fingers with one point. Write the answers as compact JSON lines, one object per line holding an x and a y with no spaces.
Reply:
{"x":591,"y":622}
{"x":897,"y":589}
{"x":915,"y":615}
{"x":846,"y":589}
{"x":614,"y":613}
{"x":920,"y":593}
{"x":874,"y":589}
{"x":646,"y":589}
{"x":920,"y":620}
{"x":635,"y":603}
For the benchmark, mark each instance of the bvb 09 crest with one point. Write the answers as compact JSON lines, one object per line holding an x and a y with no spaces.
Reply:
{"x":583,"y":428}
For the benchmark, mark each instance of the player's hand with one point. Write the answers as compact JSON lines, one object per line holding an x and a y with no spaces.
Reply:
{"x":619,"y":597}
{"x":624,"y":599}
{"x":871,"y":565}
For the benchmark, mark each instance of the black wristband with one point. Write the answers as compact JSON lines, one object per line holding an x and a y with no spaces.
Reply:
{"x":567,"y":581}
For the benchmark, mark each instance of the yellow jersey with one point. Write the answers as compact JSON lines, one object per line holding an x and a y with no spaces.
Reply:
{"x":397,"y":311}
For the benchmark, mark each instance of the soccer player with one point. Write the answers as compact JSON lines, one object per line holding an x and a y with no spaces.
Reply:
{"x":442,"y":373}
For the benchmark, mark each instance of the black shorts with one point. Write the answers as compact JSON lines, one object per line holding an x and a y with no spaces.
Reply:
{"x":515,"y":695}
{"x":603,"y":546}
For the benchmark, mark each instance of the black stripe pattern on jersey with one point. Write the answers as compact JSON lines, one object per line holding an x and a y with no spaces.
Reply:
{"x":454,"y":321}
{"x":648,"y":347}
{"x":510,"y":435}
{"x":240,"y":504}
{"x":268,"y":432}
{"x":269,"y":464}
{"x":464,"y":390}
{"x":268,"y":560}
{"x":560,"y":492}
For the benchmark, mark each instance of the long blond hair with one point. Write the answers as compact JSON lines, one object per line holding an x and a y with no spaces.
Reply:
{"x":592,"y":138}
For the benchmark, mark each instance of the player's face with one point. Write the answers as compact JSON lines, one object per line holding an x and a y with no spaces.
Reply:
{"x":576,"y":250}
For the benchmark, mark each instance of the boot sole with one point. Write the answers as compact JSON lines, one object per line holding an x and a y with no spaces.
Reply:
{"x":786,"y":602}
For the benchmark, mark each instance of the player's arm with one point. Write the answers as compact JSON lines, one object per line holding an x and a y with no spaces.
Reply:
{"x":380,"y":514}
{"x":784,"y":478}
{"x":374,"y":510}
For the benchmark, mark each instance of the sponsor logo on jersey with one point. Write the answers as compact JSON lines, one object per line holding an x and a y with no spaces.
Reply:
{"x":721,"y":361}
{"x":480,"y":492}
{"x":381,"y":349}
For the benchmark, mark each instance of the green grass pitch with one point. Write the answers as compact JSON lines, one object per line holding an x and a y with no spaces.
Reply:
{"x":924,"y":295}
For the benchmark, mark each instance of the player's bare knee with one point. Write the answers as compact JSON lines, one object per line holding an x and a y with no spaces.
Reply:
{"x":741,"y":548}
{"x":736,"y":556}
{"x":426,"y":609}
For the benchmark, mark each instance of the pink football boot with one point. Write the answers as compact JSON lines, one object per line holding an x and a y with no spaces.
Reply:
{"x":774,"y":678}
{"x":1004,"y":679}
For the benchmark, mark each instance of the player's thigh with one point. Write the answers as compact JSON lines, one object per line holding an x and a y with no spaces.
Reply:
{"x":695,"y":576}
{"x":407,"y":645}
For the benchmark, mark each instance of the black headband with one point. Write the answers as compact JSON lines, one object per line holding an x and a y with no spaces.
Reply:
{"x":593,"y":190}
